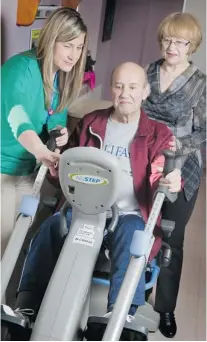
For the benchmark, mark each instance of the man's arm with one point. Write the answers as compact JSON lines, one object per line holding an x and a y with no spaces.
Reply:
{"x":74,"y":139}
{"x":162,"y":139}
{"x":172,"y":180}
{"x":157,"y":166}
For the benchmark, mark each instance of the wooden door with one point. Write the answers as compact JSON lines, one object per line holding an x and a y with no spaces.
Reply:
{"x":71,"y":3}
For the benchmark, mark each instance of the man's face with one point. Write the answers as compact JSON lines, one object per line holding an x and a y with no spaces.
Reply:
{"x":128,"y":90}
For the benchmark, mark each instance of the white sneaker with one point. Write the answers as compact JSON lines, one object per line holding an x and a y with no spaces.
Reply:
{"x":25,"y":314}
{"x":22,"y":313}
{"x":129,"y":318}
{"x":108,"y":314}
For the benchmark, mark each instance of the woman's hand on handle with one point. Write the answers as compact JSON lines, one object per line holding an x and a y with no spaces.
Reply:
{"x":47,"y":157}
{"x":33,"y":144}
{"x":63,"y":139}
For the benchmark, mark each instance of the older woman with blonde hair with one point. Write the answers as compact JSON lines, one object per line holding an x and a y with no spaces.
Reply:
{"x":178,"y":98}
{"x":38,"y":88}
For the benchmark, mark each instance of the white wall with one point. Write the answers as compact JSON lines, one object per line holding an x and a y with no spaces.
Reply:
{"x":198,"y":9}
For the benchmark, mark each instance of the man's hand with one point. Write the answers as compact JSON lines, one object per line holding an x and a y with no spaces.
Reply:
{"x":53,"y":171}
{"x":172,"y":181}
{"x":63,"y":139}
{"x":54,"y":168}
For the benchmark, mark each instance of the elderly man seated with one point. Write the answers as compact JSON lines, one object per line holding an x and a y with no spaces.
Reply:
{"x":126,"y":132}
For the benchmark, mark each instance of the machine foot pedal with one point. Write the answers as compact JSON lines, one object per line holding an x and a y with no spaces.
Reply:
{"x":13,"y":327}
{"x":10,"y":332}
{"x":96,"y":327}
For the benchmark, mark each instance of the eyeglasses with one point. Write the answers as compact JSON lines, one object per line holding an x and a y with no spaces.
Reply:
{"x":166,"y":42}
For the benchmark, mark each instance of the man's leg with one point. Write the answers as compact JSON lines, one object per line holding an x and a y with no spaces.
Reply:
{"x":40,"y":262}
{"x":119,"y":245}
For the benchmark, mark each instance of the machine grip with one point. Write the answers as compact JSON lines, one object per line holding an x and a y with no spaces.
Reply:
{"x":115,"y":218}
{"x":51,"y":144}
{"x":169,"y":161}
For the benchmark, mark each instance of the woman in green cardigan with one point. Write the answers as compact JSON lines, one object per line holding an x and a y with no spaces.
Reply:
{"x":38,"y":86}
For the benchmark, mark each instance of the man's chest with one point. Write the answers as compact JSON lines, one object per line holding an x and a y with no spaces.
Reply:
{"x":117,"y":142}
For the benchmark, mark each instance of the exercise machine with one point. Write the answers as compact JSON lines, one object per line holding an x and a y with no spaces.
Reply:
{"x":89,"y":179}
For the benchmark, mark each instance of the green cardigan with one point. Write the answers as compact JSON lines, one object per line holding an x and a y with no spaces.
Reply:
{"x":23,"y":108}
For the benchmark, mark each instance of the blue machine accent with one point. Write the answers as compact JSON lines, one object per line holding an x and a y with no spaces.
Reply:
{"x":155,"y":270}
{"x":29,"y":205}
{"x":140,"y":243}
{"x":155,"y":273}
{"x":101,"y":281}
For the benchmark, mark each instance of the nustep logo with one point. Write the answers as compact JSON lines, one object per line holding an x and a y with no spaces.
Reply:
{"x":88,"y":179}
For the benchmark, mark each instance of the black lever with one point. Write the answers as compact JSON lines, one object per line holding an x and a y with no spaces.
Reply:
{"x":168,"y":167}
{"x":169,"y":162}
{"x":51,"y":144}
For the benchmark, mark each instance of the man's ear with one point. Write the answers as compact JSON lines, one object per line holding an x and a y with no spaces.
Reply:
{"x":146,"y":92}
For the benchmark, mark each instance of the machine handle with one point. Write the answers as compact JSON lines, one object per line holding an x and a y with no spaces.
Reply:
{"x":63,"y":221}
{"x":114,"y":219}
{"x":51,"y":144}
{"x":169,"y":161}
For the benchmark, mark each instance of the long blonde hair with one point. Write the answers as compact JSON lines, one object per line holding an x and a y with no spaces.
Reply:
{"x":63,"y":25}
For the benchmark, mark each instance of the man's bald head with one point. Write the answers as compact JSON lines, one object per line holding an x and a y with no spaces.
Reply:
{"x":129,"y":87}
{"x":134,"y":71}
